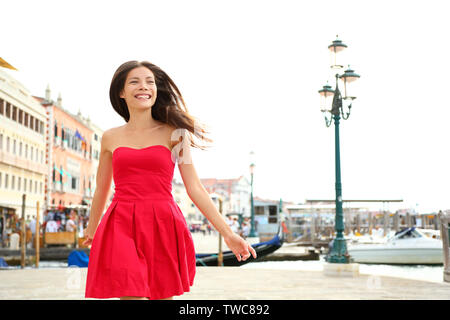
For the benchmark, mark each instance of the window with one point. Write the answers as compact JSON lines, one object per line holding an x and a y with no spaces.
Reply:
{"x":42,"y":156}
{"x":20,"y":116}
{"x":6,"y":181}
{"x":0,"y":179}
{"x":1,"y":141}
{"x":14,"y":146}
{"x":74,"y":183}
{"x":31,"y":122}
{"x":13,"y":182}
{"x":35,"y":187}
{"x":19,"y":180}
{"x":14,"y":113}
{"x":56,"y":129}
{"x":7,"y":144}
{"x":26,"y":151}
{"x":2,"y":111}
{"x":26,"y":120}
{"x":31,"y":155}
{"x":36,"y":125}
{"x":31,"y":186}
{"x":24,"y":184}
{"x":40,"y":187}
{"x":20,"y":149}
{"x":8,"y":110}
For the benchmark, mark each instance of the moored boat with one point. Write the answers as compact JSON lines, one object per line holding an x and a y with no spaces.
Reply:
{"x":229,"y":259}
{"x":408,"y":246}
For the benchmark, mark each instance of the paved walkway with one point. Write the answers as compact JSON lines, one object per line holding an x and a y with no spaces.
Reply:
{"x":231,"y":283}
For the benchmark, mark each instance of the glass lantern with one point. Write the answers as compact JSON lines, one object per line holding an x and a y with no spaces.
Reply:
{"x":336,"y":55}
{"x":348,"y":78}
{"x":326,"y":98}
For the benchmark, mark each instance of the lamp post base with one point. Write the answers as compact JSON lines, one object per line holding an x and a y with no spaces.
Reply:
{"x":338,"y":252}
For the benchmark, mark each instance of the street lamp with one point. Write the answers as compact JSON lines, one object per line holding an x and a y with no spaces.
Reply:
{"x":338,"y":252}
{"x":252,"y":217}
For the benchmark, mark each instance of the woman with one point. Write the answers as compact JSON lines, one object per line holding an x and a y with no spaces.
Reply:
{"x":142,"y":247}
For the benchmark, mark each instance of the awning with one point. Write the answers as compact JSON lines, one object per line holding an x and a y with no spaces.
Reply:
{"x":5,"y":64}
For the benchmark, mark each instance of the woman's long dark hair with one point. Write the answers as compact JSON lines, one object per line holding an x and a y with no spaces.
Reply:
{"x":169,"y":106}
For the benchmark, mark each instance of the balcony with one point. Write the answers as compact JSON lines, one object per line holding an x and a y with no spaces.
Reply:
{"x":19,"y":162}
{"x":57,"y":186}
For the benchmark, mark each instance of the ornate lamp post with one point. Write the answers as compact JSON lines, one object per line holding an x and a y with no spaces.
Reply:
{"x":252,"y":219}
{"x":338,"y":253}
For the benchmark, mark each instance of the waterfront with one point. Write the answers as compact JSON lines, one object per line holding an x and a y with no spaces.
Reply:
{"x":415,"y":272}
{"x":208,"y":243}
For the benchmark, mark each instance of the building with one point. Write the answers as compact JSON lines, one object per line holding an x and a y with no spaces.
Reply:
{"x":23,"y":166}
{"x":235,"y":194}
{"x":184,"y":202}
{"x":73,"y":149}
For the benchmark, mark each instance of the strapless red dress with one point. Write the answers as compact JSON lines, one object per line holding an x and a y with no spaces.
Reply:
{"x":142,"y":246}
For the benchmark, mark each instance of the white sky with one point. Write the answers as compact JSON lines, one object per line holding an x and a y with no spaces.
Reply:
{"x":251,"y":70}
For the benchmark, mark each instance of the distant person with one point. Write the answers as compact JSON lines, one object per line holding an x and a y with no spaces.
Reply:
{"x":71,"y":226}
{"x":51,"y":226}
{"x":203,"y":229}
{"x":245,"y":229}
{"x":235,"y":225}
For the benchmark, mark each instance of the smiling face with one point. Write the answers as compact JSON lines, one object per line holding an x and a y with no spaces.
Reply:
{"x":139,"y":90}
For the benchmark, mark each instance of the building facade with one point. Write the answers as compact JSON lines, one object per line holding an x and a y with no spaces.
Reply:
{"x":73,"y":151}
{"x":22,"y":151}
{"x":235,"y":194}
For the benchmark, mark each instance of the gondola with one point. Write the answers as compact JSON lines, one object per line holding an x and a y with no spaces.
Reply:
{"x":229,"y":259}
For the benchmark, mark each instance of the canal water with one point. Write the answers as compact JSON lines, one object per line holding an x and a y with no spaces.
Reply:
{"x":414,"y":272}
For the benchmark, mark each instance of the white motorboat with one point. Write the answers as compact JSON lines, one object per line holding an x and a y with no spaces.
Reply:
{"x":409,"y":246}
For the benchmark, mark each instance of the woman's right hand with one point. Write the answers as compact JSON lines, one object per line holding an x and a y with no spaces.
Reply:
{"x":89,"y":235}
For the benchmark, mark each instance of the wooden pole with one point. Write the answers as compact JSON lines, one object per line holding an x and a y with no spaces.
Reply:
{"x":76,"y":227}
{"x":220,"y":255}
{"x":24,"y":235}
{"x":358,"y":222}
{"x":37,"y":235}
{"x":313,"y":228}
{"x":396,"y":222}
{"x":444,"y":228}
{"x":408,"y":220}
{"x":386,"y":223}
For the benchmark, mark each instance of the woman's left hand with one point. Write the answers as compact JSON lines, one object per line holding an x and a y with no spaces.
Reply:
{"x":241,"y":248}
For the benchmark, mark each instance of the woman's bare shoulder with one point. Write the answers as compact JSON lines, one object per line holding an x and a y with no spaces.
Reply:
{"x":109,"y":136}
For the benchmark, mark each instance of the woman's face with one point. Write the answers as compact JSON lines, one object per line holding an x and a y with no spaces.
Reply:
{"x":139,"y":90}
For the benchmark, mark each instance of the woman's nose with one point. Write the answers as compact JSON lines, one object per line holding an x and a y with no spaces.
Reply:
{"x":143,"y":85}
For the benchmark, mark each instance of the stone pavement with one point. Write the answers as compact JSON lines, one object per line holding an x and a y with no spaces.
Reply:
{"x":231,"y":283}
{"x":226,"y":283}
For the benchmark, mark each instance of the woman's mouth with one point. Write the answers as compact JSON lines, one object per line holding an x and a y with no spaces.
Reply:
{"x":143,"y":96}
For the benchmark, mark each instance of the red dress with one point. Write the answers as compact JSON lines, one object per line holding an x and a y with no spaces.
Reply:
{"x":142,"y":246}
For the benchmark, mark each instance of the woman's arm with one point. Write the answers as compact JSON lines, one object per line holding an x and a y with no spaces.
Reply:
{"x":202,"y":200}
{"x":103,"y":185}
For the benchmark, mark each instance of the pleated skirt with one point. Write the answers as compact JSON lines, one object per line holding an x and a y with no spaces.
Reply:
{"x":142,"y":248}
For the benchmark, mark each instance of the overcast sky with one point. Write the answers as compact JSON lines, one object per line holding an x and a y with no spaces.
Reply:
{"x":250,"y":70}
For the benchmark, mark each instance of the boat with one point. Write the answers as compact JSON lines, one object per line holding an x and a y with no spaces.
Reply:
{"x":409,"y":246}
{"x":229,"y":258}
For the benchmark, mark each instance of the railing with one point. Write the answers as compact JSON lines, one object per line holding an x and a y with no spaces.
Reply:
{"x":445,"y":235}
